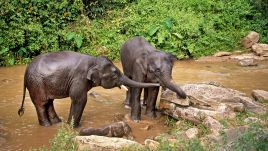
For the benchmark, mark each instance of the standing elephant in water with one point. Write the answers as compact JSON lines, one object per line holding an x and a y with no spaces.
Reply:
{"x":64,"y":74}
{"x":144,"y":63}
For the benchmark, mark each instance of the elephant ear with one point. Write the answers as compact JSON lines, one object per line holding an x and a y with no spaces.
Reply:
{"x":93,"y":75}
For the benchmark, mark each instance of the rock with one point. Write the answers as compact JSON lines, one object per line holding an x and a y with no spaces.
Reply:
{"x":247,"y":56}
{"x":260,"y":49}
{"x":214,"y":125}
{"x":208,"y":99}
{"x":151,"y":144}
{"x":260,"y":95}
{"x":248,"y":62}
{"x":102,"y":143}
{"x":250,"y":39}
{"x":192,"y":133}
{"x":172,"y":97}
{"x":222,"y":53}
{"x":251,"y":120}
{"x":118,"y":129}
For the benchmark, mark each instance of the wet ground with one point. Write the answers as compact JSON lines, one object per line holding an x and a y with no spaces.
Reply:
{"x":24,"y":133}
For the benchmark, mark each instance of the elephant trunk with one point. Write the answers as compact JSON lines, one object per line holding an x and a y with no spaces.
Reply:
{"x":166,"y":82}
{"x":130,"y":83}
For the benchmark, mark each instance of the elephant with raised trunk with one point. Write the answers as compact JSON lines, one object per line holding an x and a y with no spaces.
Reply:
{"x":144,"y":63}
{"x":64,"y":74}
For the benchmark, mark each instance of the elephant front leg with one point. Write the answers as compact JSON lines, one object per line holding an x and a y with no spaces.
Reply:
{"x":127,"y":101}
{"x":77,"y":108}
{"x":135,"y":104}
{"x":152,"y":97}
{"x":52,"y":115}
{"x":145,"y":96}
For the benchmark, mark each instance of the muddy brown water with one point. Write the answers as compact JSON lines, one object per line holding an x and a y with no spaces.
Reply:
{"x":24,"y":133}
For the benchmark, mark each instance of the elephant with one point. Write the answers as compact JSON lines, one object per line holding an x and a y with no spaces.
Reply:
{"x":57,"y":75}
{"x":144,"y":63}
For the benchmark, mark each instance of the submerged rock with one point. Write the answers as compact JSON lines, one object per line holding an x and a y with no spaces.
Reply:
{"x":206,"y":99}
{"x":248,"y":62}
{"x":102,"y":143}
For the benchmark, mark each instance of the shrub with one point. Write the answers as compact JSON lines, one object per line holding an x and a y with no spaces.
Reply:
{"x":28,"y":28}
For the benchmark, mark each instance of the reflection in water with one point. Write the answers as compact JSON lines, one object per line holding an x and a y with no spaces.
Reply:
{"x":23,"y":133}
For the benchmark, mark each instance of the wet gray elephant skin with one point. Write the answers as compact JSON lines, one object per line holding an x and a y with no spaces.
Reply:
{"x":64,"y":74}
{"x":144,"y":63}
{"x":118,"y":129}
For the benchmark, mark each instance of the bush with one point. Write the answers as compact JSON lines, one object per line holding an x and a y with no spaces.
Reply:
{"x":185,"y":28}
{"x":28,"y":28}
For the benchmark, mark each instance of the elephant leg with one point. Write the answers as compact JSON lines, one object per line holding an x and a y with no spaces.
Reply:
{"x":77,"y":107}
{"x":52,"y":115}
{"x":135,"y":104}
{"x":152,"y":97}
{"x":128,"y":101}
{"x":40,"y":102}
{"x":145,"y":96}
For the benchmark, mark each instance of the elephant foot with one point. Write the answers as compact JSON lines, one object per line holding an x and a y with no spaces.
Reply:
{"x":151,"y":114}
{"x":55,"y":120}
{"x":44,"y":123}
{"x":136,"y":119}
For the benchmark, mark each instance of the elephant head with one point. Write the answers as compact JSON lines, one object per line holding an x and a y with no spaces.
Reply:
{"x":160,"y":66}
{"x":104,"y":73}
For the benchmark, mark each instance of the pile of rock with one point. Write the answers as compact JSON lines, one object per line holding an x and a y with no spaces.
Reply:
{"x":251,"y":42}
{"x":207,"y":103}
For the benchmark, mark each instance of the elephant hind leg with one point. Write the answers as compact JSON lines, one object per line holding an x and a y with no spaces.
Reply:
{"x":42,"y":115}
{"x":40,"y":102}
{"x":52,"y":115}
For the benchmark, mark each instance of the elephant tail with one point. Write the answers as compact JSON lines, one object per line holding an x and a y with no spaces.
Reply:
{"x":21,"y":110}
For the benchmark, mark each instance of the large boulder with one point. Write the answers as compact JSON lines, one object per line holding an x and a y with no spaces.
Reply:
{"x":260,"y":49}
{"x":102,"y":143}
{"x":260,"y":95}
{"x":252,"y":38}
{"x":207,"y":99}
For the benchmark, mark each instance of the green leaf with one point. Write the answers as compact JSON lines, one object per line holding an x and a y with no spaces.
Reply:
{"x":153,"y":31}
{"x":178,"y":35}
{"x":11,"y":60}
{"x":22,"y":51}
{"x":168,"y":23}
{"x":3,"y":51}
{"x":78,"y":40}
{"x":70,"y":35}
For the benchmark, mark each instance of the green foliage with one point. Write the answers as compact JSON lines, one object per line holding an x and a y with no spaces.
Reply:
{"x":255,"y":138}
{"x":28,"y":28}
{"x":185,"y":28}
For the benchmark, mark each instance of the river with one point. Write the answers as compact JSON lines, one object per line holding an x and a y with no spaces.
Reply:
{"x":24,"y":133}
